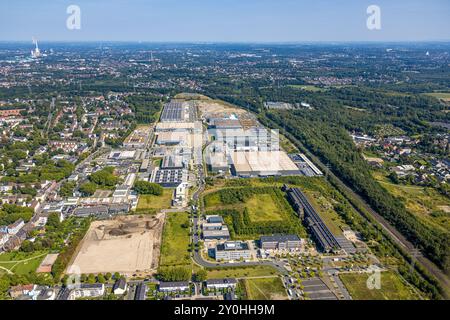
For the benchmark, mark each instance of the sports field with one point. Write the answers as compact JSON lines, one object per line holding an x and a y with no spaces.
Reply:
{"x":265,"y":289}
{"x":392,"y":287}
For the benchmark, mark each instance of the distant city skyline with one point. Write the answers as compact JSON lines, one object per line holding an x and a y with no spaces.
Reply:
{"x":225,"y":21}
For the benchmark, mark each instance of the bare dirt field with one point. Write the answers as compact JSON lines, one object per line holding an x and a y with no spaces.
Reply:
{"x":210,"y":107}
{"x":128,"y":244}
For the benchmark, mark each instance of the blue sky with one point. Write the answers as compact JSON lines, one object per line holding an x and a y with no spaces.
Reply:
{"x":225,"y":20}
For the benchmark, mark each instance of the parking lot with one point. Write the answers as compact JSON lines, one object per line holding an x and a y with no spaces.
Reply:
{"x":315,"y":289}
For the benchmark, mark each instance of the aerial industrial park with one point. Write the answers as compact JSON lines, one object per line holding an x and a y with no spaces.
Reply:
{"x":218,"y":173}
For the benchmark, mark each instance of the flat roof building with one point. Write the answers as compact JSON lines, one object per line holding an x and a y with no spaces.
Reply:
{"x":91,"y":211}
{"x":262,"y":163}
{"x":217,"y":234}
{"x":214,"y":219}
{"x":281,"y":242}
{"x":173,"y":162}
{"x":169,"y":178}
{"x":232,"y":250}
{"x":177,"y":111}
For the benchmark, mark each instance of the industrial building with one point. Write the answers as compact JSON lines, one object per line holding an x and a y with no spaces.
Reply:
{"x":215,"y":229}
{"x":102,"y":211}
{"x":91,"y":211}
{"x":194,"y":127}
{"x":177,"y":111}
{"x":217,"y":234}
{"x":122,"y":155}
{"x":226,"y":124}
{"x":325,"y":239}
{"x":214,"y":219}
{"x":138,"y":139}
{"x":173,"y":162}
{"x":262,"y":163}
{"x":145,"y":165}
{"x":216,"y":157}
{"x":169,"y":178}
{"x":232,"y":250}
{"x":252,"y":139}
{"x":281,"y":242}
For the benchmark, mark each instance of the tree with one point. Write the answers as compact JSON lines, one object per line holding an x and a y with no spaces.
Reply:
{"x":88,"y":188}
{"x":101,"y":278}
{"x":145,"y":187}
{"x":66,"y":189}
{"x":200,"y":276}
{"x":104,"y":177}
{"x":53,"y":220}
{"x":91,"y":279}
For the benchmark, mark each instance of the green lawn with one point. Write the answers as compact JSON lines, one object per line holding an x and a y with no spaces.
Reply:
{"x":311,"y":88}
{"x":175,"y":240}
{"x":440,"y":95}
{"x":424,"y":202}
{"x":155,"y":203}
{"x":21,"y":263}
{"x":392,"y":287}
{"x":212,"y":200}
{"x":262,"y":207}
{"x":265,"y":289}
{"x":326,"y":212}
{"x":254,"y":271}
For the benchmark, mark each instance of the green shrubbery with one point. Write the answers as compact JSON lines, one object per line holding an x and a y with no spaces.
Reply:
{"x":239,"y":220}
{"x":145,"y":187}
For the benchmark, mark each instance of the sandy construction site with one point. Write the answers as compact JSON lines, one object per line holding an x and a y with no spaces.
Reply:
{"x":128,"y":244}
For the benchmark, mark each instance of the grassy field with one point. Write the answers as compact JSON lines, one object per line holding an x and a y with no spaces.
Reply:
{"x":20,"y":263}
{"x":440,"y":95}
{"x":307,"y":87}
{"x":426,"y":203}
{"x":155,"y":203}
{"x":287,"y":145}
{"x":263,"y":211}
{"x":265,"y":289}
{"x":326,"y":211}
{"x":157,"y":162}
{"x":175,"y":240}
{"x":392,"y":287}
{"x":254,"y":271}
{"x":317,"y":189}
{"x":262,"y":207}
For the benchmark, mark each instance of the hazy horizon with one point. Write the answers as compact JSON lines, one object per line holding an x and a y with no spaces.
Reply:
{"x":231,"y":21}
